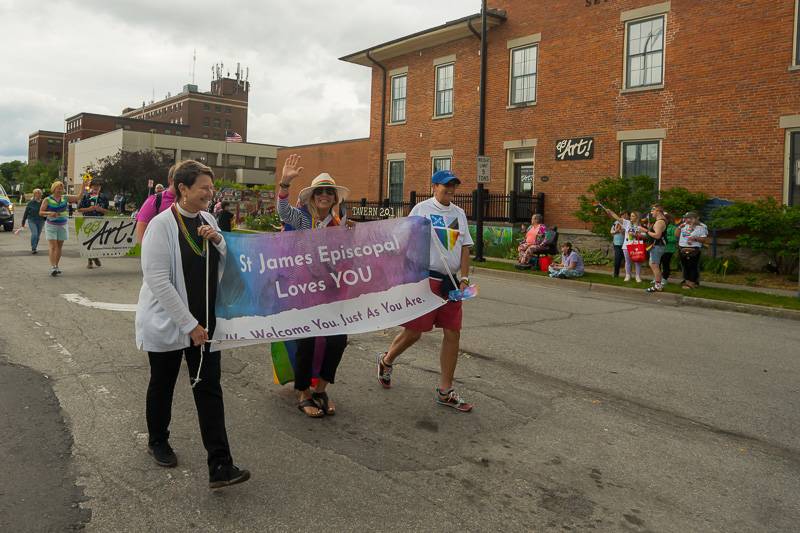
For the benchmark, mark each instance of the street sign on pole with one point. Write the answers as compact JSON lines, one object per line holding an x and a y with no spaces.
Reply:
{"x":484,"y":169}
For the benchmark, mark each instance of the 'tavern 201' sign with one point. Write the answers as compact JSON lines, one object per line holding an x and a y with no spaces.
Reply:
{"x":575,"y":149}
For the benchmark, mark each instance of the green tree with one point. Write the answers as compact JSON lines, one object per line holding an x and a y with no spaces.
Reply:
{"x":618,"y":194}
{"x":38,"y":175}
{"x":764,"y":226}
{"x":678,"y":201}
{"x":127,"y":172}
{"x":9,"y":172}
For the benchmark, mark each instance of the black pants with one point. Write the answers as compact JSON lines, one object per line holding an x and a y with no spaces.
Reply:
{"x":619,"y":259}
{"x":334,"y":348}
{"x":164,"y":368}
{"x":691,"y":266}
{"x":666,"y":265}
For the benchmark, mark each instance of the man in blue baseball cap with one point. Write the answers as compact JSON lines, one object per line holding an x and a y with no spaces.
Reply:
{"x":449,"y":269}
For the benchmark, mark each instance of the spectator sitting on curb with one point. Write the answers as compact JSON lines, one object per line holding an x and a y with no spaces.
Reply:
{"x":571,"y":265}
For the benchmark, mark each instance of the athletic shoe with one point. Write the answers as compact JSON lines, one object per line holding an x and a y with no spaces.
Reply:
{"x":34,"y":252}
{"x":638,"y":280}
{"x":452,"y":399}
{"x":97,"y":262}
{"x":53,"y":271}
{"x":627,"y":278}
{"x":58,"y":271}
{"x":163,"y":455}
{"x":655,"y":288}
{"x":384,"y":372}
{"x":664,"y":282}
{"x":227,"y":475}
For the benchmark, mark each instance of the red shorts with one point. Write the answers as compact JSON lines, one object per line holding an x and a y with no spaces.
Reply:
{"x":447,"y":316}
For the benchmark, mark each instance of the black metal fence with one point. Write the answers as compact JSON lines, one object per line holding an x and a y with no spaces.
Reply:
{"x":512,"y":207}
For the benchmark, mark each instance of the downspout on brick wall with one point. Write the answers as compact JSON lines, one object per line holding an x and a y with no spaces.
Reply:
{"x":383,"y":125}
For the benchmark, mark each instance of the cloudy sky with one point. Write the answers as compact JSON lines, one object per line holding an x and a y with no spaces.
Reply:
{"x":63,"y":57}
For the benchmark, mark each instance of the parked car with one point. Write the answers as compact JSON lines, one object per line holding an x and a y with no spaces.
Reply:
{"x":6,"y":210}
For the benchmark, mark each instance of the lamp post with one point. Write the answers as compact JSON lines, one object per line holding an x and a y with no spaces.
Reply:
{"x":481,"y":140}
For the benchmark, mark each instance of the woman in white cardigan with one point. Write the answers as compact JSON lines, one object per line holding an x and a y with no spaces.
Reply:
{"x":183,"y":254}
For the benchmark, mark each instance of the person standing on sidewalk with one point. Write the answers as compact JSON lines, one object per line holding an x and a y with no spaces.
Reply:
{"x":183,"y":255}
{"x":633,"y":231}
{"x":449,"y":256}
{"x":692,"y":235}
{"x":93,"y":204}
{"x":658,"y":233}
{"x":618,"y":239}
{"x":34,"y":220}
{"x":671,"y":247}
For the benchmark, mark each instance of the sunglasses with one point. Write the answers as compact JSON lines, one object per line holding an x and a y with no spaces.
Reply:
{"x":331,"y":191}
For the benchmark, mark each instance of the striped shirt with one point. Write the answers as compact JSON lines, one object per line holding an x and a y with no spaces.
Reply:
{"x":59,"y":207}
{"x":300,"y":219}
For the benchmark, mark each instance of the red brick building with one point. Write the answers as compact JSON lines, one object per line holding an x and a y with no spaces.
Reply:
{"x":345,"y":161}
{"x":45,"y":146}
{"x":704,"y":95}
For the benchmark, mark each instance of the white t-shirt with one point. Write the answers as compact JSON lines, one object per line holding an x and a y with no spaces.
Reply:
{"x":631,"y":230}
{"x":449,"y":233}
{"x":700,"y":230}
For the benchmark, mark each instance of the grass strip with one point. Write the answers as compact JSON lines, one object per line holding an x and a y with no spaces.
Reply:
{"x":710,"y":293}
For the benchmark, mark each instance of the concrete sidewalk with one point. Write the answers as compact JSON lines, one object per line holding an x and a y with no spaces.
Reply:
{"x":715,"y":285}
{"x":638,"y":293}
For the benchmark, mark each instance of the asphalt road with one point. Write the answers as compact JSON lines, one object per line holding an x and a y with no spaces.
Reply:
{"x":592,"y":412}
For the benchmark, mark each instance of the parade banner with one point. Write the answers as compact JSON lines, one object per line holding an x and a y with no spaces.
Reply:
{"x":297,"y":284}
{"x":105,"y":236}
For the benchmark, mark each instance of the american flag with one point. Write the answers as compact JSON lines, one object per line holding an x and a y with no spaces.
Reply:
{"x":232,"y":137}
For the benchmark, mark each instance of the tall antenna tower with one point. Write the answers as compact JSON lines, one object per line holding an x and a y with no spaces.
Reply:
{"x":194,"y":63}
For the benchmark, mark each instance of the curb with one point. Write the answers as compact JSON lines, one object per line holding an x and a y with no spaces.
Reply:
{"x":641,"y":296}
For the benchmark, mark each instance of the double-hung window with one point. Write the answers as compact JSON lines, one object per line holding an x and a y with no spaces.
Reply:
{"x":444,"y":89}
{"x":797,"y":34}
{"x":523,"y":74}
{"x":399,"y":98}
{"x":397,"y":171}
{"x":644,"y":56}
{"x":441,"y":163}
{"x":641,"y":158}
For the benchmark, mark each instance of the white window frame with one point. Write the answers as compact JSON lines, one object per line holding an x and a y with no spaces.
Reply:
{"x":796,"y":41}
{"x":389,"y":162}
{"x":625,"y":68}
{"x":447,"y":158}
{"x":659,"y":142}
{"x":437,"y":91}
{"x":511,"y":51}
{"x":392,"y":118}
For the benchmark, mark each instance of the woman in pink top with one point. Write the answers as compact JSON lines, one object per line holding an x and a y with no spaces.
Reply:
{"x":534,"y":241}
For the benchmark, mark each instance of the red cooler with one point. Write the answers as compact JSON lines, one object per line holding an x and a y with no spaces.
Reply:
{"x":544,"y":262}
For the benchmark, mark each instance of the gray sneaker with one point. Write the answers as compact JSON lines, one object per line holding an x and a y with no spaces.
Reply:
{"x":384,"y":372}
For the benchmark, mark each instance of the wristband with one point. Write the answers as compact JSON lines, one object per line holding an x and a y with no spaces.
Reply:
{"x":465,"y":279}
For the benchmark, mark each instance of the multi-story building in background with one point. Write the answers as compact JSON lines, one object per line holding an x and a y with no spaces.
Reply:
{"x":45,"y":146}
{"x":191,"y":113}
{"x":702,"y":95}
{"x":245,"y":163}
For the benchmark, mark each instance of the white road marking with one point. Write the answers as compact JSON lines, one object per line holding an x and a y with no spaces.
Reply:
{"x":86,"y":302}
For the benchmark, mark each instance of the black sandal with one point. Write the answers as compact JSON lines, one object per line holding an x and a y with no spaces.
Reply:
{"x":322,"y":398}
{"x":310,"y":403}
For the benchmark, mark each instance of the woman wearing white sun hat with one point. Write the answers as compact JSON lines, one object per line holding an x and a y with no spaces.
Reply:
{"x":319,"y":208}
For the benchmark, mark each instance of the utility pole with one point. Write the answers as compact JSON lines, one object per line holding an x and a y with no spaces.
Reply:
{"x":481,"y":139}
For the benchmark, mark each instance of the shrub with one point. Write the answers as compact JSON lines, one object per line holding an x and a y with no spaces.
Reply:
{"x":720,"y":265}
{"x":617,"y":194}
{"x":269,"y":222}
{"x":678,"y":201}
{"x":764,"y":226}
